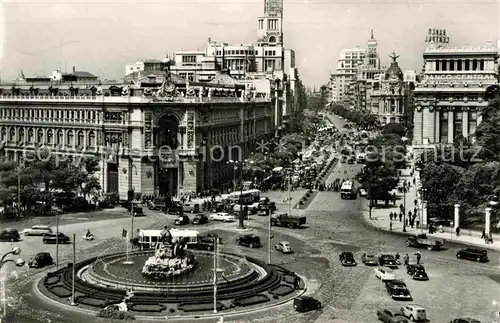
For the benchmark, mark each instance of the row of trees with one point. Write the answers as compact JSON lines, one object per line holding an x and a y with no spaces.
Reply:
{"x":385,"y":154}
{"x":465,"y":173}
{"x":44,"y":180}
{"x":363,"y":119}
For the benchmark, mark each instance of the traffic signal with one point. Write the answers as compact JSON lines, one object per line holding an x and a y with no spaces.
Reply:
{"x":130,"y":195}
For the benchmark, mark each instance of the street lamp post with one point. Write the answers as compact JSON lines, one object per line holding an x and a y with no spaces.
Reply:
{"x":269,"y":236}
{"x":404,"y":208}
{"x":241,"y":166}
{"x":371,"y":194}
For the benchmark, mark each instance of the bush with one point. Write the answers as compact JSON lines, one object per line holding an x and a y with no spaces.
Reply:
{"x":111,"y":313}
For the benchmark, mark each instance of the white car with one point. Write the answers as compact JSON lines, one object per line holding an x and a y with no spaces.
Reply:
{"x":414,"y":312}
{"x":37,"y":230}
{"x":222,"y":216}
{"x":284,"y":247}
{"x":384,"y":274}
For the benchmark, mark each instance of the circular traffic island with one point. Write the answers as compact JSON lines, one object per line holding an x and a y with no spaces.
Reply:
{"x":119,"y":280}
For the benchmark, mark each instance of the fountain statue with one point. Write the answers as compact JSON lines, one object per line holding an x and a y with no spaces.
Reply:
{"x":170,"y":259}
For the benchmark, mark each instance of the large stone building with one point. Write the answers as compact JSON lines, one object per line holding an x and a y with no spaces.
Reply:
{"x":265,"y":65}
{"x":450,"y":96}
{"x":162,"y":135}
{"x":389,"y":98}
{"x":356,"y":64}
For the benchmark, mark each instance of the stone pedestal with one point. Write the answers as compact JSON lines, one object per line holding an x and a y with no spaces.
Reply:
{"x":487,"y":221}
{"x":456,"y":221}
{"x":424,"y":214}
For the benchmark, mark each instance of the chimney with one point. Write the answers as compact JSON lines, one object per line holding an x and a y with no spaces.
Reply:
{"x":74,"y":70}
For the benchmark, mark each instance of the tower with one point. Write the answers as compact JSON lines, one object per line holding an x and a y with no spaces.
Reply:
{"x":270,"y":32}
{"x":372,"y":59}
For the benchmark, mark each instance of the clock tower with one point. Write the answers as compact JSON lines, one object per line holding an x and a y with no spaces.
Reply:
{"x":271,"y":24}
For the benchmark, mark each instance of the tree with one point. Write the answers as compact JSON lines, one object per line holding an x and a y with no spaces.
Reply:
{"x":379,"y":178}
{"x":488,"y":132}
{"x":439,"y":182}
{"x":394,"y":128}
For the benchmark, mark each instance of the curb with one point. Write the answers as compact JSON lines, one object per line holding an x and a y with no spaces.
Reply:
{"x":369,"y":222}
{"x":69,"y":307}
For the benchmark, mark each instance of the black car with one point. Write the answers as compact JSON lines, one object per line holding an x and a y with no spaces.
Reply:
{"x":182,"y":220}
{"x":249,"y":240}
{"x":347,"y":259}
{"x":387,"y":261}
{"x":417,"y":272}
{"x":40,"y":260}
{"x":53,"y":237}
{"x":200,"y":219}
{"x":479,"y":255}
{"x":207,"y":241}
{"x":305,"y":304}
{"x":398,"y":290}
{"x":138,"y":211}
{"x":10,"y":235}
{"x":174,"y":209}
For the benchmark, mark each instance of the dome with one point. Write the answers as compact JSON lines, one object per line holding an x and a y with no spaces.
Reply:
{"x":394,"y":71}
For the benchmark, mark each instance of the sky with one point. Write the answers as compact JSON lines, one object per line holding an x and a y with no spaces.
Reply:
{"x":101,"y":37}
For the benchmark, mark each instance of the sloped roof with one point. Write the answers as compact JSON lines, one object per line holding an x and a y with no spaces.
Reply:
{"x":83,"y":74}
{"x":224,"y":79}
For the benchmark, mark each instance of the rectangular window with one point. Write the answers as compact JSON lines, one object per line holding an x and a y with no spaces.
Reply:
{"x":467,"y":65}
{"x":472,"y":122}
{"x":443,"y":126}
{"x":457,"y":123}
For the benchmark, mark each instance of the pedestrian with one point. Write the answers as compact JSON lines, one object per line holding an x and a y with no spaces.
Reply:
{"x":407,"y":222}
{"x":419,"y":256}
{"x":458,"y":231}
{"x":397,"y":258}
{"x":390,"y":226}
{"x":410,"y":215}
{"x":400,"y":217}
{"x":483,"y":235}
{"x":418,"y":224}
{"x":406,"y":260}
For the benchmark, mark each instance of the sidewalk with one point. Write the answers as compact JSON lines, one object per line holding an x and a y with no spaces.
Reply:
{"x":380,"y":219}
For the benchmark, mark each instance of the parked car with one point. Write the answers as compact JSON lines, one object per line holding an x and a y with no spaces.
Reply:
{"x":347,"y":259}
{"x":305,"y":304}
{"x":387,"y":261}
{"x":9,"y":235}
{"x":417,"y":272}
{"x":369,"y":259}
{"x":37,"y":230}
{"x":398,"y":290}
{"x":422,"y":241}
{"x":384,"y":274}
{"x":40,"y":260}
{"x":391,"y":316}
{"x":53,"y":237}
{"x":465,"y":320}
{"x":414,"y":312}
{"x":249,"y":240}
{"x":200,"y":219}
{"x":479,"y":255}
{"x":284,"y":247}
{"x":182,"y":220}
{"x":223,"y":216}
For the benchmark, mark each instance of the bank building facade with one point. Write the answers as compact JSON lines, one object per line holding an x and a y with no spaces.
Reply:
{"x":163,"y":135}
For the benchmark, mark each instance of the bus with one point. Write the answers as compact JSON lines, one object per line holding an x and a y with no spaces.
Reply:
{"x":148,"y":239}
{"x":347,"y":190}
{"x":247,"y":197}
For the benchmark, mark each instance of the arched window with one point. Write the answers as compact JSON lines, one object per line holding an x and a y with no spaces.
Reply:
{"x":59,"y":137}
{"x":272,"y":39}
{"x":50,"y":136}
{"x":80,"y":139}
{"x":12,"y":134}
{"x":91,"y":142}
{"x":21,"y":134}
{"x":39,"y":136}
{"x":3,"y":134}
{"x":31,"y":136}
{"x":69,"y":138}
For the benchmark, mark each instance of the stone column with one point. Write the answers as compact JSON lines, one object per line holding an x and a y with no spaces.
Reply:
{"x":450,"y":126}
{"x":424,"y":214}
{"x":465,"y":124}
{"x":437,"y":119}
{"x":487,"y":221}
{"x":457,"y":217}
